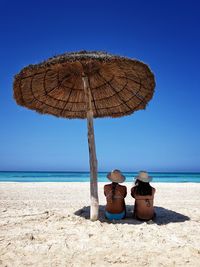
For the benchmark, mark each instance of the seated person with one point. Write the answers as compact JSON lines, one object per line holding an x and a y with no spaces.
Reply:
{"x":115,"y":194}
{"x":143,"y":193}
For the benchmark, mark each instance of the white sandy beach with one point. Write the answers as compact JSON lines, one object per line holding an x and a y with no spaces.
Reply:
{"x":46,"y":224}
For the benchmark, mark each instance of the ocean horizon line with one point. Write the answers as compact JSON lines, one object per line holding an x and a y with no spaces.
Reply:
{"x":84,"y":176}
{"x":71,"y":171}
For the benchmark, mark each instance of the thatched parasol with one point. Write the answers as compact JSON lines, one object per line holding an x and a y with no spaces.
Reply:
{"x":86,"y":85}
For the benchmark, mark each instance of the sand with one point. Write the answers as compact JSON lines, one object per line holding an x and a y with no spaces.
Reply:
{"x":46,"y":224}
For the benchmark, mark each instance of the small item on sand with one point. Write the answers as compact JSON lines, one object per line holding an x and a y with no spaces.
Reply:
{"x":86,"y":85}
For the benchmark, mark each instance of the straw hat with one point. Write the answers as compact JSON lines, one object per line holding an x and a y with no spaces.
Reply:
{"x":143,"y":177}
{"x":116,"y":176}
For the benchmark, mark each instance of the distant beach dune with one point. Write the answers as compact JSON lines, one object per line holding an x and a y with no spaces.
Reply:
{"x":46,"y":224}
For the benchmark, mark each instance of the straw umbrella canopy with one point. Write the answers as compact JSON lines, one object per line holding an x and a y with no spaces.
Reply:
{"x":86,"y":85}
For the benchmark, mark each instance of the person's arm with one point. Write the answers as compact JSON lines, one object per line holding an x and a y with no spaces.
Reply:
{"x":104,"y":190}
{"x":135,"y":210}
{"x":153,"y":191}
{"x":125,"y":192}
{"x":133,"y":192}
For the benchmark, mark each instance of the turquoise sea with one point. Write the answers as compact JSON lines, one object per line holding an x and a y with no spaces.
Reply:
{"x":85,"y":177}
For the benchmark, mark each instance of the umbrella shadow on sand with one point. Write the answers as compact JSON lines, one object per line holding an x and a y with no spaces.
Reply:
{"x":163,"y":216}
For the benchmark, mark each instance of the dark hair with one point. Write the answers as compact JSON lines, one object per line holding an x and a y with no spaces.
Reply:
{"x":113,"y":189}
{"x":142,"y":188}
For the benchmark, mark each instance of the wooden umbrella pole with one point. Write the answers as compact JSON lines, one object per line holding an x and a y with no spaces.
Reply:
{"x":94,"y":208}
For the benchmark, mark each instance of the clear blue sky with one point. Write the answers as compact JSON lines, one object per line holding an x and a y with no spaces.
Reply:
{"x":163,"y":34}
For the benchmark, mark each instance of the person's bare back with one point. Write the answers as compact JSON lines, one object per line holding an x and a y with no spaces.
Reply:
{"x":143,"y":205}
{"x":115,"y":203}
{"x":143,"y":193}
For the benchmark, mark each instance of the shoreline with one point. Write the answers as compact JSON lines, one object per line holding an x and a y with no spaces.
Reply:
{"x":87,"y":182}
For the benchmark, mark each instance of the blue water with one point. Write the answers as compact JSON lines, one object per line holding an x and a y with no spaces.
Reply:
{"x":85,"y":177}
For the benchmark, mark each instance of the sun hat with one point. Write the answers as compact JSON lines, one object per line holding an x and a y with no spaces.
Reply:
{"x":116,"y":176}
{"x":143,"y":177}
